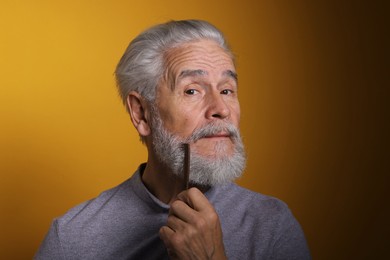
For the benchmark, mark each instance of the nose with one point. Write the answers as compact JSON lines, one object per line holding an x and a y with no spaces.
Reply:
{"x":217,"y":107}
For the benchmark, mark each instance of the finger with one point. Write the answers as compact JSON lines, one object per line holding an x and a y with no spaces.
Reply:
{"x":175,"y":223}
{"x":194,"y":198}
{"x":166,"y":234}
{"x":171,"y":242}
{"x":182,"y":210}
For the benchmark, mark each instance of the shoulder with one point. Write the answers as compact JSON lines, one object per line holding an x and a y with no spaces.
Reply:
{"x":255,"y":212}
{"x":90,"y":208}
{"x":264,"y":225}
{"x":69,"y":231}
{"x":107,"y":203}
{"x":81,"y":231}
{"x":250,"y":202}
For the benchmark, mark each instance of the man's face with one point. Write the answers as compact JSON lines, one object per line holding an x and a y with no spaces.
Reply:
{"x":200,"y":88}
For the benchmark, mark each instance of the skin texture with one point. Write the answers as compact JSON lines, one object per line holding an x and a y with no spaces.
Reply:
{"x":198,"y":87}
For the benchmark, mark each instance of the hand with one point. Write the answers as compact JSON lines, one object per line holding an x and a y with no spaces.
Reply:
{"x":193,"y":230}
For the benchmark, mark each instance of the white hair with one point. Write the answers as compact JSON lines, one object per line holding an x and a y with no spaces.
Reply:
{"x":142,"y":65}
{"x":205,"y":171}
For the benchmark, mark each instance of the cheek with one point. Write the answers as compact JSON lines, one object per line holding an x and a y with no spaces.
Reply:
{"x":188,"y":124}
{"x":181,"y":124}
{"x":235,"y":111}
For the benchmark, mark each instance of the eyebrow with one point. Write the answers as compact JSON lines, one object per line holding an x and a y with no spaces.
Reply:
{"x":194,"y":73}
{"x":231,"y":74}
{"x":191,"y":73}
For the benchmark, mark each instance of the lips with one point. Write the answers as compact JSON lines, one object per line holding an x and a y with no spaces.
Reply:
{"x":219,"y":135}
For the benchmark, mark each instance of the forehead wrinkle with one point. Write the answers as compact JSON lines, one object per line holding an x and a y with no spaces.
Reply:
{"x":208,"y":58}
{"x":184,"y":54}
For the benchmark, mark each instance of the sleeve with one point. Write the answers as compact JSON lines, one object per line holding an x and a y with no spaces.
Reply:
{"x":291,"y":242}
{"x":51,"y":245}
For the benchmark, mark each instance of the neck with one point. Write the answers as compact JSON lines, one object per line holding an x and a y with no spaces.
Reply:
{"x":161,"y":182}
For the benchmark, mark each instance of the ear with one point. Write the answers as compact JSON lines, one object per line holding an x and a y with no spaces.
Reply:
{"x":138,"y":113}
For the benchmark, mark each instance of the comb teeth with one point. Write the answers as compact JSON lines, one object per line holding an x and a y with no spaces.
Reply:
{"x":186,"y":165}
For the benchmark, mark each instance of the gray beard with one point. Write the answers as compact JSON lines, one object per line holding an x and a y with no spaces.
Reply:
{"x":204,"y":170}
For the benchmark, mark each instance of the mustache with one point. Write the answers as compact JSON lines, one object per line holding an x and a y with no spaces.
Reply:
{"x":214,"y":128}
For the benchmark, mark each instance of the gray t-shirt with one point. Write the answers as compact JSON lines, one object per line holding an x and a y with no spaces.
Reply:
{"x":123,"y":223}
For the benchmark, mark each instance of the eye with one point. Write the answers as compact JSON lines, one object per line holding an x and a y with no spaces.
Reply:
{"x":191,"y":91}
{"x":226,"y":91}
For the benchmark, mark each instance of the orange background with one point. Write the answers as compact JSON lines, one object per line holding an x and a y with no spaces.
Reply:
{"x":313,"y":92}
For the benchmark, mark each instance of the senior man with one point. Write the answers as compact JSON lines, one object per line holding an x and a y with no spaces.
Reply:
{"x":179,"y":83}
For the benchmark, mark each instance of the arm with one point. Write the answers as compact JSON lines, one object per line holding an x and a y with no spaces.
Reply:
{"x":291,"y":242}
{"x":50,"y":247}
{"x":193,"y":230}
